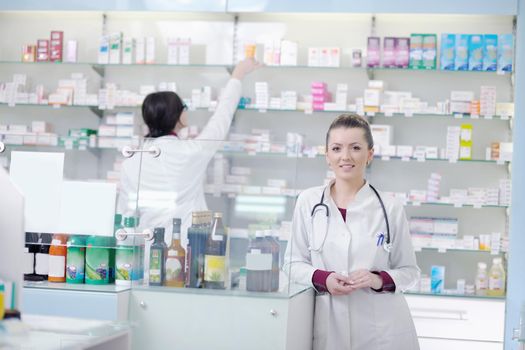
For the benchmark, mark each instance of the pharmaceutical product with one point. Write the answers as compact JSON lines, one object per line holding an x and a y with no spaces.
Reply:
{"x":389,"y":52}
{"x":416,"y":51}
{"x":150,"y":50}
{"x":71,"y":51}
{"x":490,"y":52}
{"x":505,"y":52}
{"x":437,"y":279}
{"x":429,"y":51}
{"x":462,"y":52}
{"x":448,"y":51}
{"x":128,"y":50}
{"x":103,"y":50}
{"x":56,"y":45}
{"x":373,"y":52}
{"x":402,"y":52}
{"x":42,"y":50}
{"x":475,"y":55}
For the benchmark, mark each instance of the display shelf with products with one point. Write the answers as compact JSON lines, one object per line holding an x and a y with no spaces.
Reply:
{"x":452,"y":295}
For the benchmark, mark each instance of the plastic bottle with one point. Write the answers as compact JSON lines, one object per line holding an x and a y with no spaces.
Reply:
{"x":157,"y":258}
{"x":259,"y":264}
{"x":127,"y":257}
{"x":31,"y":248}
{"x":57,"y":258}
{"x":275,"y":249}
{"x":496,"y":278}
{"x":215,"y":255}
{"x":481,"y":279}
{"x":97,"y":260}
{"x":75,"y":260}
{"x":42,"y":257}
{"x":176,"y":261}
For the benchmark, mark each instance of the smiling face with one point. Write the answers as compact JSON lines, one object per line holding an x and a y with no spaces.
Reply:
{"x":348,"y":153}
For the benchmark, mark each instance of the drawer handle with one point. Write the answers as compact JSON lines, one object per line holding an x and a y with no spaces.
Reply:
{"x":2,"y":147}
{"x":273,"y":312}
{"x":439,"y":314}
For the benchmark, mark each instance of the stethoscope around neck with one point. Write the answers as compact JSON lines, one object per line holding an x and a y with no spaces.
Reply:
{"x":381,"y":239}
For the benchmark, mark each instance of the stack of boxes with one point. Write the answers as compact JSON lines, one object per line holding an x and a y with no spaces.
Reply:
{"x":396,"y":52}
{"x":201,"y":98}
{"x":383,"y":137}
{"x":373,"y":96}
{"x":320,"y":95}
{"x":42,"y":50}
{"x":423,"y":51}
{"x":262,"y":95}
{"x":324,"y":56}
{"x":373,"y":57}
{"x":56,"y":45}
{"x":289,"y":100}
{"x":488,"y":101}
{"x":114,"y":49}
{"x":465,"y":140}
{"x":460,"y":101}
{"x":117,"y":131}
{"x":179,"y":50}
{"x":433,"y":187}
{"x":505,"y":192}
{"x":453,"y":142}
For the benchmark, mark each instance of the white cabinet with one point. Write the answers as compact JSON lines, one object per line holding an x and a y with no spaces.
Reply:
{"x":458,"y":322}
{"x":201,"y":319}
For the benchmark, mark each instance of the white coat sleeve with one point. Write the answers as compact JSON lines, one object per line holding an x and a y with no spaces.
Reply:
{"x":403,"y":265}
{"x":297,"y":261}
{"x":219,"y":123}
{"x":126,"y":191}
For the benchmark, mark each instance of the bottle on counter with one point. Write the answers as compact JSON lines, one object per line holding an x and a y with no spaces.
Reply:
{"x":31,"y":248}
{"x":76,"y":259}
{"x":128,"y":257}
{"x":276,"y":250}
{"x":496,"y":278}
{"x":198,"y":234}
{"x":176,"y":260}
{"x":42,"y":257}
{"x":157,"y":258}
{"x":215,"y":263}
{"x":259,"y":264}
{"x":97,"y":260}
{"x":57,"y":258}
{"x":2,"y":307}
{"x":482,"y":282}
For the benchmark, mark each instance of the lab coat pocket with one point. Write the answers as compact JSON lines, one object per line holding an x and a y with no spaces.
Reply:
{"x":321,"y":320}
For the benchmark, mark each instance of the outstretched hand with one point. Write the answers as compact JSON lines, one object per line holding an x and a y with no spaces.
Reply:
{"x":244,"y":67}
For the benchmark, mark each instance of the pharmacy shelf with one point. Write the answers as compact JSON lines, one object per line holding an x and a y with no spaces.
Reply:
{"x":455,"y":295}
{"x":229,"y":66}
{"x":458,"y":250}
{"x":385,"y":115}
{"x":108,"y":288}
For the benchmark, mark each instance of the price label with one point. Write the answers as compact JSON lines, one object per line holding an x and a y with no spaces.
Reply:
{"x":252,"y":153}
{"x":453,"y":160}
{"x":442,"y":250}
{"x":458,"y":115}
{"x":389,"y":114}
{"x":505,"y":117}
{"x":477,"y":206}
{"x":263,"y":110}
{"x":416,"y":204}
{"x":385,"y":158}
{"x":409,"y":114}
{"x":68,"y":144}
{"x":405,"y":159}
{"x":488,"y":117}
{"x":370,"y":114}
{"x":308,"y":111}
{"x":421,"y":159}
{"x":500,"y":162}
{"x":474,"y":116}
{"x":55,"y":106}
{"x":458,"y":205}
{"x":417,"y":248}
{"x":500,"y":72}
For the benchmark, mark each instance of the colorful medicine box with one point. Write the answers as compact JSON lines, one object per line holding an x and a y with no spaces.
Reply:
{"x":402,"y":52}
{"x":505,"y":52}
{"x":416,"y":51}
{"x":56,"y":45}
{"x":389,"y":52}
{"x":461,"y":54}
{"x":429,"y":51}
{"x":448,"y":52}
{"x":373,"y":52}
{"x":490,"y":52}
{"x":475,"y":52}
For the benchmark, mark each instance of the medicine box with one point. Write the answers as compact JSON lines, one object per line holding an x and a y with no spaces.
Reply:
{"x":416,"y":51}
{"x":373,"y":52}
{"x":402,"y":52}
{"x":150,"y":50}
{"x":429,"y":51}
{"x":389,"y":52}
{"x":103,"y":50}
{"x":461,"y":54}
{"x":115,"y":48}
{"x":42,"y":50}
{"x":505,"y":52}
{"x":383,"y":134}
{"x":490,"y":52}
{"x":448,"y":51}
{"x":475,"y":52}
{"x":56,"y":45}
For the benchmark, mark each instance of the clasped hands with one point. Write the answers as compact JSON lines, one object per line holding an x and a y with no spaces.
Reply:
{"x":340,"y":284}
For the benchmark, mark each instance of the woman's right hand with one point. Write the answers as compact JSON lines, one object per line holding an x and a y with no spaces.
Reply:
{"x":244,"y":67}
{"x":338,"y":284}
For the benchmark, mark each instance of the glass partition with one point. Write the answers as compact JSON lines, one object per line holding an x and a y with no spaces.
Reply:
{"x":213,"y":216}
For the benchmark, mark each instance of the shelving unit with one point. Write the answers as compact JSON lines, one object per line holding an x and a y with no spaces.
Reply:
{"x":384,"y":172}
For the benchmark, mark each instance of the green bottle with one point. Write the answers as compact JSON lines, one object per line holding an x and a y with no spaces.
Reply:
{"x":157,"y":258}
{"x":97,"y":260}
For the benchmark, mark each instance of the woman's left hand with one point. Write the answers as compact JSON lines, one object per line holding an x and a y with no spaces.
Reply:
{"x":365,"y":279}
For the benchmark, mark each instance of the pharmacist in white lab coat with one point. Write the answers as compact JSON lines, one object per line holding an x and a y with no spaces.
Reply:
{"x":340,"y":248}
{"x":172,"y":184}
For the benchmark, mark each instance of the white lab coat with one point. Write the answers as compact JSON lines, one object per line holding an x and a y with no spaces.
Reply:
{"x":365,"y":319}
{"x":172,"y":184}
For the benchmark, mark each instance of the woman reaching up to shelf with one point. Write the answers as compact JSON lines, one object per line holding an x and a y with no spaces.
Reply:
{"x":353,"y":246}
{"x":171,"y":185}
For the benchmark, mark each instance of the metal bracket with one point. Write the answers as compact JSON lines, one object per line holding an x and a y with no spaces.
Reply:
{"x":122,"y":234}
{"x":99,"y":113}
{"x":2,"y":147}
{"x":100,"y":69}
{"x":128,"y":152}
{"x":235,"y":39}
